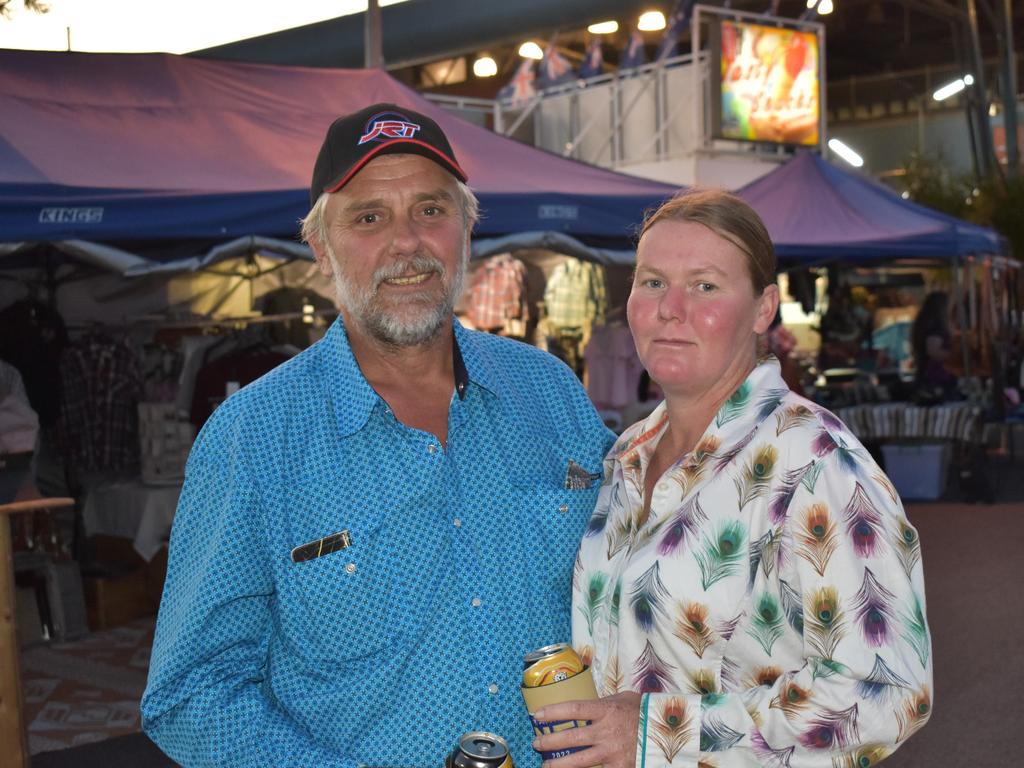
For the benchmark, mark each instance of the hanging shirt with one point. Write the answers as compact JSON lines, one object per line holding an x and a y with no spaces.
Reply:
{"x":19,"y":424}
{"x":771,"y":604}
{"x":613,"y":368}
{"x":458,"y":562}
{"x":101,"y":385}
{"x":575,"y":294}
{"x":498,"y":291}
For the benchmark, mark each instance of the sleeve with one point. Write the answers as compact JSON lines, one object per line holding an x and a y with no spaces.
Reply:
{"x":206,"y":701}
{"x":850,"y":582}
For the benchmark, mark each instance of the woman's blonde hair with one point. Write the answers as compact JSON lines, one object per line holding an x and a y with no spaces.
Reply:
{"x":727,"y":216}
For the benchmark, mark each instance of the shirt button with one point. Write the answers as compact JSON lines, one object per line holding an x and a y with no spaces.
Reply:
{"x":350,"y":568}
{"x":563,"y":508}
{"x":492,"y":688}
{"x":476,"y":602}
{"x":662,"y":486}
{"x":457,"y":523}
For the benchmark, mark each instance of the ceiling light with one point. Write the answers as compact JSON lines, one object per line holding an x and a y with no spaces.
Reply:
{"x":846,"y":153}
{"x":825,"y":7}
{"x":651,"y":21}
{"x":968,"y":79}
{"x":485,"y":66}
{"x":952,"y":88}
{"x":530,"y":50}
{"x":604,"y":28}
{"x":811,"y":3}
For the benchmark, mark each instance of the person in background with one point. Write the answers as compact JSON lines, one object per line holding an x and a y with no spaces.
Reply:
{"x":931,"y":342}
{"x":749,"y":590}
{"x":19,"y":432}
{"x":371,"y":536}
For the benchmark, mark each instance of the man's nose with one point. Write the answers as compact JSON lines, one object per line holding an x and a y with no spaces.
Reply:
{"x":405,"y":236}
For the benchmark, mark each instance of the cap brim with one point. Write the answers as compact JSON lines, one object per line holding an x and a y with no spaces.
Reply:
{"x":400,"y":146}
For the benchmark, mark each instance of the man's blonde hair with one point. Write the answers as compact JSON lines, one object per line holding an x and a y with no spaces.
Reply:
{"x":314,"y":225}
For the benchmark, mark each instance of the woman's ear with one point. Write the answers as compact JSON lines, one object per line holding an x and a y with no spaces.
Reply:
{"x":767,"y":306}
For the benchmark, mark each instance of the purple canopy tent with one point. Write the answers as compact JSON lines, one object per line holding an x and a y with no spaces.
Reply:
{"x":118,"y":148}
{"x":817,"y":212}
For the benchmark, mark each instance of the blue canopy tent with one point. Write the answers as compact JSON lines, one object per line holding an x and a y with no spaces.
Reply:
{"x":817,"y":213}
{"x":132,"y":149}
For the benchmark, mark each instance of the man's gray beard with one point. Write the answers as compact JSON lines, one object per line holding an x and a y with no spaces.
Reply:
{"x":423,"y":326}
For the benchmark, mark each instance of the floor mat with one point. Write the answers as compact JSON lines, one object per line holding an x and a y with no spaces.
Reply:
{"x":86,"y":690}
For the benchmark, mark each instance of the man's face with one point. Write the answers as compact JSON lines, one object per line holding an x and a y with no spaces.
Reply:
{"x":397,"y":246}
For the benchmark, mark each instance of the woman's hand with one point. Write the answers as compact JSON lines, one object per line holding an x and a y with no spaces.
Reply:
{"x":610,"y":738}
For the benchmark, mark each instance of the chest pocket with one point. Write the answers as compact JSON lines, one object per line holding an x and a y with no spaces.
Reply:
{"x":558,"y":518}
{"x":371,"y":597}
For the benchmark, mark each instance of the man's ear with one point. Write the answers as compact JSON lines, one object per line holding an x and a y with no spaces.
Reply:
{"x":767,"y":307}
{"x":323,"y":261}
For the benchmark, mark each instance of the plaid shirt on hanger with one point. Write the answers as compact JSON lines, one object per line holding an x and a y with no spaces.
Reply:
{"x":575,"y":294}
{"x":101,"y":387}
{"x":497,"y":292}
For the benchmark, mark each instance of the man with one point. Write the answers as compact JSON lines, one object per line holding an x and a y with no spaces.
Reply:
{"x":371,"y":536}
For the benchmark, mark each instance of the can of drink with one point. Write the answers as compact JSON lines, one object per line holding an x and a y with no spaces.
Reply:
{"x":550,"y":664}
{"x":480,"y":749}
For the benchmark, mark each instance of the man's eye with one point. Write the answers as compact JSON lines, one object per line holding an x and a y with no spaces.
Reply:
{"x":369,"y":218}
{"x":432,"y":210}
{"x":653,"y":282}
{"x":706,"y":287}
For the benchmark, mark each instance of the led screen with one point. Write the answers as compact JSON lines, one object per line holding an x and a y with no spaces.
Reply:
{"x":769,"y":87}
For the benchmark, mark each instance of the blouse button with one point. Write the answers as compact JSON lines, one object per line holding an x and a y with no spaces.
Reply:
{"x":350,"y":568}
{"x":563,"y":508}
{"x":457,"y":522}
{"x":492,"y":688}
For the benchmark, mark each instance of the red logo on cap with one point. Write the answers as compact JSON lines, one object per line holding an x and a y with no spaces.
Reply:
{"x":389,"y":129}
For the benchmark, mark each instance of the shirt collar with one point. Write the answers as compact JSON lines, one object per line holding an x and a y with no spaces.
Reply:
{"x":354,"y":398}
{"x":754,"y":401}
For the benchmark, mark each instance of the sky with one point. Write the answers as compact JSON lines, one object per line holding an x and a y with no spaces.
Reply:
{"x":169,"y":26}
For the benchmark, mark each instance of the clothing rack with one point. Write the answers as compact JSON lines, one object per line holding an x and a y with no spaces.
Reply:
{"x":233,"y":322}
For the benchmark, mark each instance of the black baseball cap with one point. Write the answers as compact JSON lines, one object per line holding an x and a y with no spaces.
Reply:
{"x":381,"y":129}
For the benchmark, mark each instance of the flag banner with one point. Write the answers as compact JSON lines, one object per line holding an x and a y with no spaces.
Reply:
{"x":593,"y":62}
{"x":554,"y":68}
{"x":678,"y":21}
{"x":633,"y":55}
{"x":520,"y":88}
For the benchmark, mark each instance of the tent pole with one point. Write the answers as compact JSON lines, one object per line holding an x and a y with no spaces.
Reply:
{"x":373,"y":48}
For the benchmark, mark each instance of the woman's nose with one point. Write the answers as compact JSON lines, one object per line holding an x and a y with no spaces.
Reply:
{"x":673,"y":305}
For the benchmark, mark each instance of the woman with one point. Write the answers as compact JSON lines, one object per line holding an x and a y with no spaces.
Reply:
{"x":931,"y":341}
{"x":748,"y":591}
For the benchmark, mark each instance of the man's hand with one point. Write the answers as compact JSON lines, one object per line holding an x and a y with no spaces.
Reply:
{"x":610,"y":738}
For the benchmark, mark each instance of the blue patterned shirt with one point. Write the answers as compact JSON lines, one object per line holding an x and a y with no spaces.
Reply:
{"x":384,"y":652}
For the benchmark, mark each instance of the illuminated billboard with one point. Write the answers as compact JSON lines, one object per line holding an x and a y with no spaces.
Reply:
{"x":769,"y":88}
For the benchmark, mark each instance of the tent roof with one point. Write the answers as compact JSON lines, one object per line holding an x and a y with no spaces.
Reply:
{"x":815,"y":210}
{"x":106,"y":147}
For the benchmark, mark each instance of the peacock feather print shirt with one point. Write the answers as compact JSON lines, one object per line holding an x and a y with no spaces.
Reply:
{"x":770,"y":605}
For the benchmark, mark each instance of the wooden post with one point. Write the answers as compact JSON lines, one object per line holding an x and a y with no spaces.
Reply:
{"x":12,"y":720}
{"x":14,"y":749}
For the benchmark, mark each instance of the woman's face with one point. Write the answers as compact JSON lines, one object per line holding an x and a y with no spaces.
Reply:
{"x":692,"y":309}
